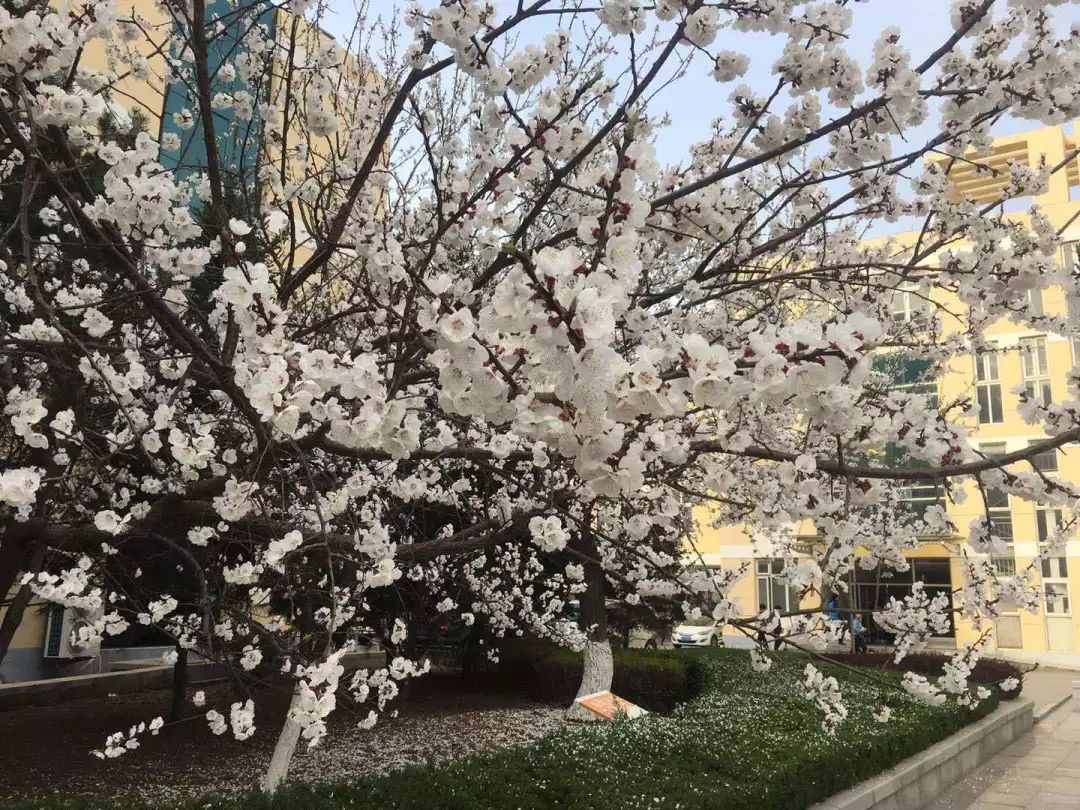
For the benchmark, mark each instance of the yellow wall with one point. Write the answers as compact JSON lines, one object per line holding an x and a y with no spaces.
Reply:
{"x":31,"y":631}
{"x":145,"y":93}
{"x":23,"y":659}
{"x":730,"y":546}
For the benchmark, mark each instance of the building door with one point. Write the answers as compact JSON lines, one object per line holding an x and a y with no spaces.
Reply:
{"x":1055,"y":577}
{"x":1008,"y":628}
{"x":1059,"y":620}
{"x":937,"y":579}
{"x":873,"y":589}
{"x":1059,"y":634}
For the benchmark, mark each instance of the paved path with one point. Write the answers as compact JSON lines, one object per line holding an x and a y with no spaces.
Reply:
{"x":1040,"y":771}
{"x":1048,"y":686}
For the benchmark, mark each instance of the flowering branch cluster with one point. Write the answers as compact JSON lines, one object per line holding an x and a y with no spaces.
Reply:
{"x":435,"y":330}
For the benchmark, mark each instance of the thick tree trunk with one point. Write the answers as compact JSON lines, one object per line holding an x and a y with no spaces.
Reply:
{"x":179,"y":684}
{"x":14,"y":544}
{"x":11,"y":561}
{"x":596,"y":674}
{"x":597,"y":662}
{"x":283,"y":750}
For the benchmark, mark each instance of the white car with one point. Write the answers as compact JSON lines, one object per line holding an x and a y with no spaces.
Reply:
{"x":702,"y":632}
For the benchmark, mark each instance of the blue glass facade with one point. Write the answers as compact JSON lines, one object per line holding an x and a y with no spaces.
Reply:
{"x":238,"y":140}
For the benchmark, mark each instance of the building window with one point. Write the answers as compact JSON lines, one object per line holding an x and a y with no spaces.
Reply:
{"x":1035,"y":302}
{"x":914,"y":376}
{"x":1055,"y":568}
{"x":997,"y":506}
{"x":1072,"y":264}
{"x":922,"y":494}
{"x":1036,"y":369}
{"x":1072,"y":255}
{"x":1046,"y":461}
{"x":988,"y":388}
{"x":909,"y":303}
{"x":996,"y":499}
{"x":773,"y":591}
{"x":1057,"y":598}
{"x":1074,"y":318}
{"x":1048,"y":521}
{"x":1001,"y":525}
{"x":872,"y":589}
{"x":1001,"y":528}
{"x":1005,"y":566}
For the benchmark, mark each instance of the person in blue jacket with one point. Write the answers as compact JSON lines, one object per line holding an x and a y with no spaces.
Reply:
{"x":858,"y":633}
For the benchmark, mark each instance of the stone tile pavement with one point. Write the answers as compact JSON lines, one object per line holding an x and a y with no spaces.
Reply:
{"x":1040,"y":771}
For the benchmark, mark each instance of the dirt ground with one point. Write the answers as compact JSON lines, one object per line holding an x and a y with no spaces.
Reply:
{"x":47,"y":749}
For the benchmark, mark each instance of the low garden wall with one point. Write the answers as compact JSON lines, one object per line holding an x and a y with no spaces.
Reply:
{"x":918,"y":780}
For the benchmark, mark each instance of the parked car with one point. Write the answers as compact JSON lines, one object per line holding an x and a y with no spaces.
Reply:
{"x":701,"y":632}
{"x":642,"y":638}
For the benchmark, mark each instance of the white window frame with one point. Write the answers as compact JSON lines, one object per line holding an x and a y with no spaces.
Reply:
{"x":1071,"y":254}
{"x":1071,"y":261}
{"x":1035,"y":363}
{"x":909,"y":302}
{"x":1057,"y":585}
{"x":1035,"y":301}
{"x":1002,"y":513}
{"x":791,"y":596}
{"x":1051,"y":453}
{"x":988,"y":379}
{"x":1047,"y":519}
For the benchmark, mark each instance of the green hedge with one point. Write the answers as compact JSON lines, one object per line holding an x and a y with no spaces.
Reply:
{"x":746,"y":740}
{"x":656,"y":680}
{"x":987,"y":671}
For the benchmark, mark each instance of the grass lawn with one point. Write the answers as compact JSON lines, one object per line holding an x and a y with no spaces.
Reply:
{"x":746,"y":740}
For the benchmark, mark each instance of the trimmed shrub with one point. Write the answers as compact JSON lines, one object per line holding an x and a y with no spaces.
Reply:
{"x":746,"y":740}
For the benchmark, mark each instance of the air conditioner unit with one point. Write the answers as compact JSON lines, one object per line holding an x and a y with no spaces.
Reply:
{"x":61,"y":633}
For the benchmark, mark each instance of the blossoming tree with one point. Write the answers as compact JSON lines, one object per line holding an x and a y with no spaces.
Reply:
{"x":452,"y":321}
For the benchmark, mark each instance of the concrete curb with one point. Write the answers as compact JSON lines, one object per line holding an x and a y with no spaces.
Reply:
{"x":920,"y":779}
{"x":1045,"y":710}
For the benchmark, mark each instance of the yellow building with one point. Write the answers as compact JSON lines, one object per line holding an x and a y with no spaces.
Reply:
{"x":1021,"y":356}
